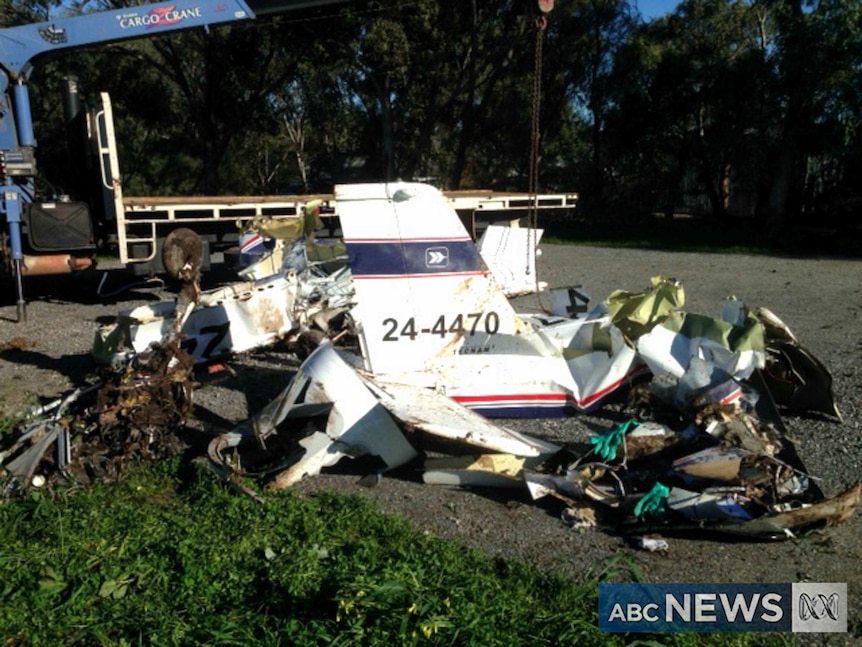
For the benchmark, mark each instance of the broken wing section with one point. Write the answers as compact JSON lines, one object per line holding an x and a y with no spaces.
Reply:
{"x":421,"y":410}
{"x":329,"y":412}
{"x":354,"y":424}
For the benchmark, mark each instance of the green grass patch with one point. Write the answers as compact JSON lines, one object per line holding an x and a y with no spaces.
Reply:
{"x":7,"y":426}
{"x":154,"y":560}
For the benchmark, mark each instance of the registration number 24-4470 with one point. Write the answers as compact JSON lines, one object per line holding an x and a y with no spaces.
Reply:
{"x":473,"y":323}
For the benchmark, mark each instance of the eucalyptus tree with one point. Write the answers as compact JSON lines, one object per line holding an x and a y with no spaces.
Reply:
{"x":313,"y":130}
{"x":721,"y":95}
{"x":752,"y":106}
{"x":835,"y":165}
{"x":817,"y":51}
{"x":20,"y":12}
{"x":443,"y":86}
{"x":596,"y":31}
{"x":492,"y":63}
{"x":224,"y":79}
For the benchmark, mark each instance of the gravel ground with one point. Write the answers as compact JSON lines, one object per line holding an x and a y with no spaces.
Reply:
{"x":819,"y":299}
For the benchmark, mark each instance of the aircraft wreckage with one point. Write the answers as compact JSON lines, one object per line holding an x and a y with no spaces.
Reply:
{"x":415,"y":346}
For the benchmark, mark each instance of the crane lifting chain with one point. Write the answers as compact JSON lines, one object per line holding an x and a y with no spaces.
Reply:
{"x":544,"y":7}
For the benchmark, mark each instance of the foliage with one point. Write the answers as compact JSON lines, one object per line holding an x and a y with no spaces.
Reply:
{"x":729,"y":113}
{"x":163,"y":561}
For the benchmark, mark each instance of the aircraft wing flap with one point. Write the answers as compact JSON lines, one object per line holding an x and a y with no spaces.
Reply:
{"x":432,"y":412}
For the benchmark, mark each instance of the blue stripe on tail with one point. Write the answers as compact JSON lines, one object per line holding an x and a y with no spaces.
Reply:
{"x":411,"y":257}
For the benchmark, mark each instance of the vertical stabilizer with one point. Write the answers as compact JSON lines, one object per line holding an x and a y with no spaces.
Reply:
{"x":424,"y":295}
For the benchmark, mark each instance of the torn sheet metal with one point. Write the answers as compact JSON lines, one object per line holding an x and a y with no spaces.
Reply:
{"x":510,"y":254}
{"x":355,"y":423}
{"x":227,"y":320}
{"x":795,"y":377}
{"x":596,"y":355}
{"x":363,"y":418}
{"x":231,"y":319}
{"x":670,"y":346}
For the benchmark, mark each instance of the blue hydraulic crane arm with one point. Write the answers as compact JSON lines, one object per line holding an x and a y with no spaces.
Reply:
{"x":20,"y":45}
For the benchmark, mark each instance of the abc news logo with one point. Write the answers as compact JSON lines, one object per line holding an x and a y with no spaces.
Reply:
{"x":819,"y":607}
{"x":804,"y":607}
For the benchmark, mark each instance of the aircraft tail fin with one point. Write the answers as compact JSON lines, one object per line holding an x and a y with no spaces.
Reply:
{"x":423,"y":292}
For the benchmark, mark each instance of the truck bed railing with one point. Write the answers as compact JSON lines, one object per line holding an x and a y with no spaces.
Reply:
{"x":144,"y":220}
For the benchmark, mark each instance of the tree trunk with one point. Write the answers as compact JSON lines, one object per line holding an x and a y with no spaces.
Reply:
{"x":387,"y":128}
{"x":778,"y":199}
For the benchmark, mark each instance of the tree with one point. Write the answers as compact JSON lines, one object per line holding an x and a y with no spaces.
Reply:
{"x":185,"y":101}
{"x":818,"y":67}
